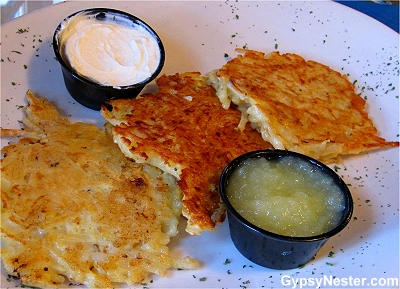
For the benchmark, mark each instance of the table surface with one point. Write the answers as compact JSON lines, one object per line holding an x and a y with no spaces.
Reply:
{"x":388,"y":14}
{"x":378,"y":9}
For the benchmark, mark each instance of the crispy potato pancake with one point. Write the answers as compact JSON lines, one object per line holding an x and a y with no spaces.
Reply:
{"x":299,"y":105}
{"x":184,"y":131}
{"x":75,"y":209}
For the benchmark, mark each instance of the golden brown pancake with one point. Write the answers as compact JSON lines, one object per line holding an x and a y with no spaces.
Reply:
{"x":298,"y":105}
{"x":75,"y":209}
{"x":184,"y":130}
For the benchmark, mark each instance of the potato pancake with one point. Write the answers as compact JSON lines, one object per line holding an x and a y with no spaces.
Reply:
{"x":75,"y":209}
{"x":299,"y":105}
{"x":184,"y":131}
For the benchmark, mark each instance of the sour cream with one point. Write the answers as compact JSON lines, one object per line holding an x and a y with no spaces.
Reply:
{"x":109,"y":52}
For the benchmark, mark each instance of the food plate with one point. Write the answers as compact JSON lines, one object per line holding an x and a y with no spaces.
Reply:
{"x":201,"y":36}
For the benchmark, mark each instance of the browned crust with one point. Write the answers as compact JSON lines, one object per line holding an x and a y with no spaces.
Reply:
{"x":305,"y":100}
{"x":186,"y":124}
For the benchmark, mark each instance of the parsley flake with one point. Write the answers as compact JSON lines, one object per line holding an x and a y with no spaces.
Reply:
{"x":22,"y":30}
{"x":329,"y":264}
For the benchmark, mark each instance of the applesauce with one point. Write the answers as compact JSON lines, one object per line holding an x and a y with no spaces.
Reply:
{"x":286,"y":196}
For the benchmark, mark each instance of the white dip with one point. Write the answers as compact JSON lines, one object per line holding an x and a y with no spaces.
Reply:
{"x":107,"y":52}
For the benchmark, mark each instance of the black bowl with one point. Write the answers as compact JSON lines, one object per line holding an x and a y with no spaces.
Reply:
{"x":90,"y":93}
{"x":273,"y":250}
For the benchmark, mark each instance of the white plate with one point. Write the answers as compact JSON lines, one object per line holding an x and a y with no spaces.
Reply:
{"x":196,"y":36}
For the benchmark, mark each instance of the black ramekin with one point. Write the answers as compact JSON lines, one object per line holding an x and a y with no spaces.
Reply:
{"x":272,"y":250}
{"x":92,"y":94}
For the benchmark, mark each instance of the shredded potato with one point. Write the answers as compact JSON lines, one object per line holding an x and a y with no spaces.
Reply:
{"x":74,"y":208}
{"x":298,"y":105}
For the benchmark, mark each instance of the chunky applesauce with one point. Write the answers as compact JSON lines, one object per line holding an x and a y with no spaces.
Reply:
{"x":287,"y":196}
